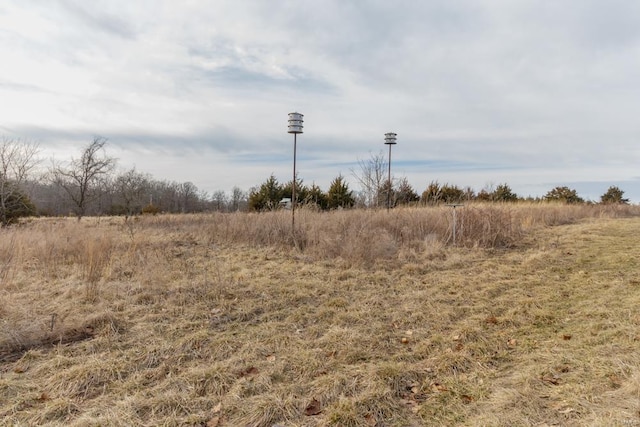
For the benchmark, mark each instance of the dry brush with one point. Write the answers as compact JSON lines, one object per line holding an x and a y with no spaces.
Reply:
{"x":360,"y":318}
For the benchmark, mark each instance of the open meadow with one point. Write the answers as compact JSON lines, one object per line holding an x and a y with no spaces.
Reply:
{"x":363,"y":318}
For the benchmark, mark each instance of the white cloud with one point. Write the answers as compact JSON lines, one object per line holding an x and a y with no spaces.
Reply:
{"x":528,"y":91}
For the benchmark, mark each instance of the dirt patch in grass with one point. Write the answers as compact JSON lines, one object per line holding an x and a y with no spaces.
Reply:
{"x":10,"y":352}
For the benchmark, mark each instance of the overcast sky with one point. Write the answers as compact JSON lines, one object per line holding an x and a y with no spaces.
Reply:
{"x":535,"y":94}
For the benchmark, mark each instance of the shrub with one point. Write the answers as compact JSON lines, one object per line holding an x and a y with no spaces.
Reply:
{"x":613,"y":196}
{"x":564,"y":194}
{"x":150,"y":209}
{"x":16,"y":205}
{"x":503,"y":193}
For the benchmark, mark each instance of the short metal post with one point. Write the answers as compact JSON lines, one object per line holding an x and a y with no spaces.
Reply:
{"x":454,"y":206}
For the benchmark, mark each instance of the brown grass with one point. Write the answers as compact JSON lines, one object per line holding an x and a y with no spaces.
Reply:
{"x":361,"y":318}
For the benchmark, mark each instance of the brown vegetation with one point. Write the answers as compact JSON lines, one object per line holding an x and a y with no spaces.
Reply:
{"x":362,"y":318}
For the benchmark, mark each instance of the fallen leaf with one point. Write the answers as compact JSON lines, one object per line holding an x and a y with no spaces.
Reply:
{"x":616,"y":381}
{"x":213,"y":422}
{"x":313,"y":408}
{"x":551,"y":379}
{"x":492,"y":320}
{"x":252,"y":370}
{"x":466,"y":398}
{"x":370,"y":420}
{"x":437,"y":387}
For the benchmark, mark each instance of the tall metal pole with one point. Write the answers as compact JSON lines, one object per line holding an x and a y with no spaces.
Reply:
{"x":295,"y":127}
{"x":389,"y":139}
{"x":389,"y":182}
{"x":293,"y":191}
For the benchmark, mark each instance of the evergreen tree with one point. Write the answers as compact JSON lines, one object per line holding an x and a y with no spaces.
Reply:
{"x":405,"y":193}
{"x":315,"y":196}
{"x":452,"y":194}
{"x":484,"y":195}
{"x":16,"y":205}
{"x":301,"y":191}
{"x":564,"y":194}
{"x":339,"y":195}
{"x":267,"y":197}
{"x":503,"y":193}
{"x":432,"y":195}
{"x":613,"y":196}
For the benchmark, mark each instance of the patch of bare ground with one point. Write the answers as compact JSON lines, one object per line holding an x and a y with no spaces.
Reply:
{"x":369,"y":319}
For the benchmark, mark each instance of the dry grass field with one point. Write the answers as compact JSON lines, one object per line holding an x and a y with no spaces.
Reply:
{"x":363,"y":318}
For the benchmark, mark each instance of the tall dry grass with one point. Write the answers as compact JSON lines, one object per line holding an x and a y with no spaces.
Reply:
{"x":364,"y":236}
{"x":374,"y":317}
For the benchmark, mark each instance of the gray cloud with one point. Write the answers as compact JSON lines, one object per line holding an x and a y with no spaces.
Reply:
{"x":478,"y":91}
{"x":104,"y":18}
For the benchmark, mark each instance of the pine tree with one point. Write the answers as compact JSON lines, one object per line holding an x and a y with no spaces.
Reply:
{"x":267,"y":197}
{"x":613,"y":196}
{"x":339,"y":195}
{"x":564,"y":194}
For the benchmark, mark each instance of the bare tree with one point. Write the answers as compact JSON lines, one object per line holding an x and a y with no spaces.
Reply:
{"x":188,"y":197}
{"x":219,"y":201}
{"x":131,"y":187}
{"x":238,"y":198}
{"x":17,"y":160}
{"x":81,"y":176}
{"x":371,"y":177}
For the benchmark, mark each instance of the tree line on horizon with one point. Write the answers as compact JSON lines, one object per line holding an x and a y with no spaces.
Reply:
{"x":90,"y":185}
{"x":272,"y":195}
